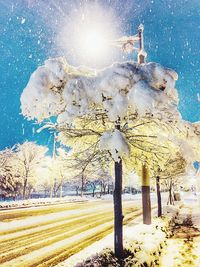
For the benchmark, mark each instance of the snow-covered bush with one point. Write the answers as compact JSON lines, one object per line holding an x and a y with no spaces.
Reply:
{"x":106,"y":258}
{"x":171,"y":210}
{"x":143,"y":246}
{"x":147,"y":243}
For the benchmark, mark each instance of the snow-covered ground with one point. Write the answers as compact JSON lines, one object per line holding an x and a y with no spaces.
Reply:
{"x":100,"y":212}
{"x":40,"y":201}
{"x":148,"y":240}
{"x":66,"y":199}
{"x":53,"y":233}
{"x":183,"y":249}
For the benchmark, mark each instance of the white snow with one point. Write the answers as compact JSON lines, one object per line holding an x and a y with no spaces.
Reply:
{"x":170,"y":210}
{"x":145,"y":240}
{"x":184,"y":248}
{"x":115,"y":142}
{"x":23,"y":20}
{"x":39,"y":201}
{"x":37,"y":220}
{"x":58,"y":89}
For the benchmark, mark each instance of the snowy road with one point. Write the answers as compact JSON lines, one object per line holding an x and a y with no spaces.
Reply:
{"x":44,"y":236}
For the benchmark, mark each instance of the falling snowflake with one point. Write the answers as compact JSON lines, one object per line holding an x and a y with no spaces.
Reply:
{"x":23,"y":20}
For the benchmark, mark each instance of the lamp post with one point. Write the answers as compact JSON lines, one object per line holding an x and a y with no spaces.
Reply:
{"x":141,"y":53}
{"x":52,"y":179}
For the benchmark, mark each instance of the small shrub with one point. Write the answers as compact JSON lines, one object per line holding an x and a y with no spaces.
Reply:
{"x":106,"y":259}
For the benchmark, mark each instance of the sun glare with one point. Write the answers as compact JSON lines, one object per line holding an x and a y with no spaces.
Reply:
{"x":85,"y":36}
{"x":93,"y":43}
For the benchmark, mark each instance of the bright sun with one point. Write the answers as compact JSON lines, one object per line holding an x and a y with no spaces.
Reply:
{"x":93,"y":42}
{"x":85,"y":36}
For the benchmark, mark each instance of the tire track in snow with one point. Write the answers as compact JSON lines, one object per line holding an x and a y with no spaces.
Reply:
{"x":67,"y":245}
{"x":25,"y":241}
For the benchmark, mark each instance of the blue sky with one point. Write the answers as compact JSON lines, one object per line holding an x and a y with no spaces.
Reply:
{"x":29,"y":28}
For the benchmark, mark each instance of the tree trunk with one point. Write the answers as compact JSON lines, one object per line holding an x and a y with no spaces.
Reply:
{"x":108,"y":192}
{"x":170,"y":199}
{"x":101,"y":190}
{"x":170,"y":196}
{"x":61,"y":187}
{"x":93,"y":192}
{"x":45,"y":193}
{"x":77,"y":188}
{"x":51,"y":188}
{"x":29,"y":193}
{"x":24,"y":188}
{"x":146,"y":201}
{"x":118,"y":216}
{"x":159,"y":196}
{"x":104,"y":189}
{"x":82,"y":185}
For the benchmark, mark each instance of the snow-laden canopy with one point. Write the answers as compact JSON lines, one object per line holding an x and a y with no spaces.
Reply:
{"x":89,"y":103}
{"x":57,"y":89}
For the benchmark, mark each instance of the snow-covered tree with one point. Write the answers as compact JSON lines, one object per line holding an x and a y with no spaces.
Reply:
{"x":5,"y":157}
{"x":125,"y":111}
{"x":172,"y":172}
{"x":106,"y":181}
{"x":10,"y":182}
{"x":87,"y":166}
{"x":27,"y":158}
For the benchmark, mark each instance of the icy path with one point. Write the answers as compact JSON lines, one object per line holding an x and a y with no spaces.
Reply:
{"x":183,"y":249}
{"x":45,"y":240}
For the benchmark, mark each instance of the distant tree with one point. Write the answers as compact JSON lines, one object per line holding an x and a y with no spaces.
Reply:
{"x":55,"y":173}
{"x":28,"y":156}
{"x":10,"y":182}
{"x":5,"y":157}
{"x":61,"y":170}
{"x":171,"y":174}
{"x":106,"y":182}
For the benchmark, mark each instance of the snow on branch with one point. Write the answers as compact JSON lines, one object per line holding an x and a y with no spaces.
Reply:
{"x":57,"y":89}
{"x":87,"y":103}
